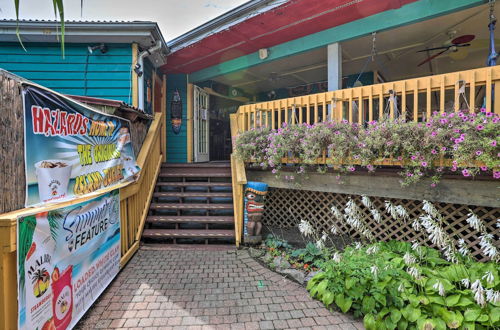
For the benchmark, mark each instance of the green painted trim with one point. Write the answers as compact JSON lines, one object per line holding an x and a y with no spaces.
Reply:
{"x":411,"y":13}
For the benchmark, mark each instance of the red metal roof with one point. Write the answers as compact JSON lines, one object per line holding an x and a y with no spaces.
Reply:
{"x":292,"y":20}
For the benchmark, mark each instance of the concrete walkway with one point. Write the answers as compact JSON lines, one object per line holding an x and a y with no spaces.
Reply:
{"x":217,"y":288}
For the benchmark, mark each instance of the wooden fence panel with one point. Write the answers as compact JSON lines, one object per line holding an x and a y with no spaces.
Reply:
{"x":284,"y":208}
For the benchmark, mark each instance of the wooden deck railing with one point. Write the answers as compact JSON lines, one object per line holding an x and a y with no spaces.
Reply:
{"x":134,"y":204}
{"x":413,"y":99}
{"x":238,"y":178}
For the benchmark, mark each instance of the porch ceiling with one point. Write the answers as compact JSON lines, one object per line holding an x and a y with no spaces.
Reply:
{"x":290,"y":20}
{"x":397,"y":54}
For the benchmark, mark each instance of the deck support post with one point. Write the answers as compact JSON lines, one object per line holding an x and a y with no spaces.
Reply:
{"x":334,"y":66}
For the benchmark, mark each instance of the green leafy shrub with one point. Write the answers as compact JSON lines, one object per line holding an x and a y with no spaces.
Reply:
{"x":311,"y":254}
{"x":276,"y":243}
{"x":398,"y":286}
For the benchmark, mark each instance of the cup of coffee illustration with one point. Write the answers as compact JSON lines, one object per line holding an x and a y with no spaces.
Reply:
{"x":53,"y":179}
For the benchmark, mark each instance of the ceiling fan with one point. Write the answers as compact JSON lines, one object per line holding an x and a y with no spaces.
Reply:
{"x":453,"y":45}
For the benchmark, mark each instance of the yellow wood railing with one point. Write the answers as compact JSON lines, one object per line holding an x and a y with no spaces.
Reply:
{"x":134,"y":204}
{"x":238,"y":178}
{"x":135,"y":198}
{"x":413,"y":99}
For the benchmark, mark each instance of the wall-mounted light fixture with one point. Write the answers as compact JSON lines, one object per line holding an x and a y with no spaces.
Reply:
{"x":263,"y":53}
{"x":102,"y":47}
{"x":138,"y":69}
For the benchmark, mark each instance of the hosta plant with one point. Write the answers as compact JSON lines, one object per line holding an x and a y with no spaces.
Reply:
{"x":394,"y":286}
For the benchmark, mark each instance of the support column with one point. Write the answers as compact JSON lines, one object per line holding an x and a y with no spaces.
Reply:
{"x":334,"y":66}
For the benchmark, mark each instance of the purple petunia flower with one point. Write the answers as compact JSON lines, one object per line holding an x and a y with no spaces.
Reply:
{"x":496,"y":174}
{"x":479,"y":153}
{"x":493,"y":143}
{"x":409,"y":174}
{"x":479,"y":127}
{"x":433,"y":151}
{"x":413,"y":157}
{"x":484,"y":168}
{"x":424,"y":164}
{"x":352,"y":169}
{"x":433,"y":133}
{"x":465,"y":172}
{"x":443,"y":149}
{"x":483,"y":110}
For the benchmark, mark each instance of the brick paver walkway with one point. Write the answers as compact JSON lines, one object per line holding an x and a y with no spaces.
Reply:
{"x":200,"y":289}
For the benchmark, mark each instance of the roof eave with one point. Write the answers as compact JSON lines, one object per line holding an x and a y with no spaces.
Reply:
{"x":120,"y":30}
{"x":218,"y":22}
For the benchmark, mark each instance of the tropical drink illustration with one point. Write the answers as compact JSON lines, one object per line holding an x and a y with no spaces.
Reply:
{"x":62,"y":297}
{"x":38,"y":268}
{"x":53,"y":179}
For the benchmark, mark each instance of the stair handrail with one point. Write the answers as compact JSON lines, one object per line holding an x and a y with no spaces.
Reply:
{"x":238,"y":180}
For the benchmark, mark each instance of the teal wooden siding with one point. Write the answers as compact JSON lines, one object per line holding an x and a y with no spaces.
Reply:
{"x":177,"y":143}
{"x":78,"y":73}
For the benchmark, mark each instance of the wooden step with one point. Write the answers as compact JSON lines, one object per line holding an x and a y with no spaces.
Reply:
{"x":197,"y":165}
{"x":194,"y":184}
{"x":194,"y":194}
{"x":155,"y":219}
{"x":195,"y":174}
{"x":187,"y":233}
{"x":189,"y":206}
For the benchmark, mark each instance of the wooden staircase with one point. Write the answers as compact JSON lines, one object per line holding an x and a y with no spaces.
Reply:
{"x":192,"y":203}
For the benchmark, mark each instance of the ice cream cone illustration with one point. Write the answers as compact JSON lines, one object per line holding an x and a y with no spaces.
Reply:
{"x":123,"y":138}
{"x":53,"y":179}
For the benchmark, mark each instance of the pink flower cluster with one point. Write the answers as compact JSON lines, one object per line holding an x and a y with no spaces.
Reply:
{"x":469,"y":140}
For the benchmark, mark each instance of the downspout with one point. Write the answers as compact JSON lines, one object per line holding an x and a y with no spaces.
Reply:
{"x":140,"y":61}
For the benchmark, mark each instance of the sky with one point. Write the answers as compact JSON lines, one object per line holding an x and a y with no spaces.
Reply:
{"x":174,"y":17}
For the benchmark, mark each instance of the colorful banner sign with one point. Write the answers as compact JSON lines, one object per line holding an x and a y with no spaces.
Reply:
{"x":70,"y":149}
{"x":65,"y":260}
